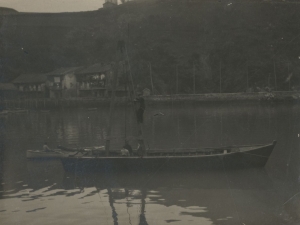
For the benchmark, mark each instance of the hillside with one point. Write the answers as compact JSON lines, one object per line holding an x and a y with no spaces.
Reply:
{"x":6,"y":11}
{"x":207,"y":39}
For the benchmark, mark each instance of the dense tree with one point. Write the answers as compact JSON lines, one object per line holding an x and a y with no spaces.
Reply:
{"x":204,"y":42}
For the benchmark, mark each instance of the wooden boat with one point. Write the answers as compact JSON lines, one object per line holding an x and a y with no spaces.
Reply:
{"x":40,"y":154}
{"x":232,"y":157}
{"x":62,"y":152}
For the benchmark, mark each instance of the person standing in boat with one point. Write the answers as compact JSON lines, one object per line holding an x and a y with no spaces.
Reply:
{"x":140,"y":108}
{"x":140,"y":150}
{"x":46,"y":148}
{"x":128,"y":147}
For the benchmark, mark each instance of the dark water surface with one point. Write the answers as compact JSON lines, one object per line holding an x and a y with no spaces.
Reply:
{"x":40,"y":192}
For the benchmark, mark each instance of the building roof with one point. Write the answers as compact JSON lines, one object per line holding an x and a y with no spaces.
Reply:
{"x":96,"y":68}
{"x":63,"y":71}
{"x":8,"y":87}
{"x":109,"y":4}
{"x":30,"y":78}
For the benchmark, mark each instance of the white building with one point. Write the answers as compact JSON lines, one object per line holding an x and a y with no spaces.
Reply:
{"x":110,"y":3}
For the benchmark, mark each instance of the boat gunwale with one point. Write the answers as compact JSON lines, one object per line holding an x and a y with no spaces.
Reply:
{"x":175,"y":156}
{"x":41,"y":154}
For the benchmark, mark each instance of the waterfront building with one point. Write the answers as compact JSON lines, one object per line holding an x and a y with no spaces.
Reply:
{"x":62,"y":82}
{"x":146,"y":92}
{"x":94,"y":80}
{"x":31,"y":85}
{"x":110,"y":3}
{"x":8,"y":91}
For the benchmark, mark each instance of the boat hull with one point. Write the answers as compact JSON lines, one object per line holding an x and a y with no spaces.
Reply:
{"x":251,"y":158}
{"x":39,"y":154}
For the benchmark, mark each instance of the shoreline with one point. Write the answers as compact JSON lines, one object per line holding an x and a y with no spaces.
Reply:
{"x":40,"y":103}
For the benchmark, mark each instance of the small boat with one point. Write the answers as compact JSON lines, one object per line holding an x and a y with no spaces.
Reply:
{"x":94,"y":150}
{"x":4,"y":112}
{"x":62,"y":152}
{"x":232,"y":157}
{"x":41,"y":154}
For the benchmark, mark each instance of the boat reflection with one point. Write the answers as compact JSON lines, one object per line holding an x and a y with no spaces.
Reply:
{"x":249,"y":179}
{"x":120,"y":194}
{"x":219,"y":197}
{"x":211,"y":197}
{"x":113,"y":209}
{"x":44,"y":173}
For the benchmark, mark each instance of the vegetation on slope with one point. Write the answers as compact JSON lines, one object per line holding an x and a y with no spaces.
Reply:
{"x":246,"y":44}
{"x":6,"y":11}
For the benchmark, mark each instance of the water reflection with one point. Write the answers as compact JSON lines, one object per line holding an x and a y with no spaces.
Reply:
{"x":41,"y":189}
{"x":219,"y":197}
{"x":145,"y":198}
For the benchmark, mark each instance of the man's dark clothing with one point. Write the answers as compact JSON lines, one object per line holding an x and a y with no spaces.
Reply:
{"x":129,"y":148}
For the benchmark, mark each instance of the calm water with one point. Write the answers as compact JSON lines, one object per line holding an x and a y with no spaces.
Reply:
{"x":40,"y":192}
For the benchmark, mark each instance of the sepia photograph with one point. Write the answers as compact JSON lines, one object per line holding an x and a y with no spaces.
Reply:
{"x":150,"y":112}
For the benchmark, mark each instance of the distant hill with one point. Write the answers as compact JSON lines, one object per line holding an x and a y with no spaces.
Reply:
{"x":243,"y":42}
{"x":6,"y":11}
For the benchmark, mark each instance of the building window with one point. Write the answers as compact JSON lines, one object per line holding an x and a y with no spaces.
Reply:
{"x":56,"y":79}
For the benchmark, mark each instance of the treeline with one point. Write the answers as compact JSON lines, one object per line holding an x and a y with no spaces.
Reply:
{"x":190,"y":46}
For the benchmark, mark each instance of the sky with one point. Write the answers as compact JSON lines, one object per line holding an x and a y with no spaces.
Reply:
{"x":52,"y":5}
